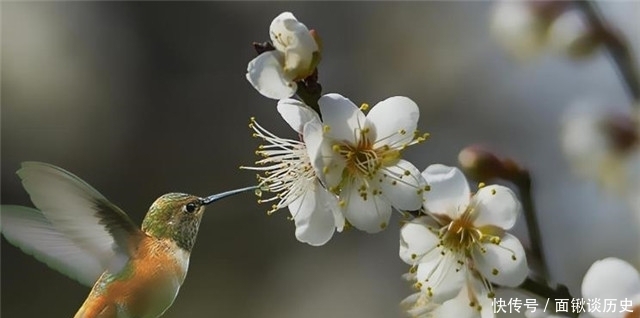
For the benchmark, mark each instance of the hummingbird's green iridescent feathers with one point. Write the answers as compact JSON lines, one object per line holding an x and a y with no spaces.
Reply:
{"x":29,"y":230}
{"x":81,"y":213}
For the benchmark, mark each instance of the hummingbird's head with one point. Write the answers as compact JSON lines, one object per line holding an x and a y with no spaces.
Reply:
{"x":175,"y":216}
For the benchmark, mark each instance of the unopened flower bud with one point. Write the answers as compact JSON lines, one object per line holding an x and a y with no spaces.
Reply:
{"x":292,"y":56}
{"x":480,"y":163}
{"x":521,"y":27}
{"x":622,"y":131}
{"x":571,"y":34}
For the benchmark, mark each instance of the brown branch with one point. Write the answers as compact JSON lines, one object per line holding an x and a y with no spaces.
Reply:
{"x":619,"y":50}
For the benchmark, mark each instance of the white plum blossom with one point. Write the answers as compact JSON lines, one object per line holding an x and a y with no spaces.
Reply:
{"x":473,"y":301}
{"x":604,"y":146}
{"x":417,"y":305}
{"x":360,"y":159}
{"x":462,"y":240}
{"x":274,"y":73}
{"x":517,"y":27}
{"x":570,"y":33}
{"x":613,"y":278}
{"x":288,"y":172}
{"x":525,"y":28}
{"x":421,"y":305}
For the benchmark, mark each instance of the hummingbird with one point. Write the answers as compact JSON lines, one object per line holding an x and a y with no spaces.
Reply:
{"x":135,"y":272}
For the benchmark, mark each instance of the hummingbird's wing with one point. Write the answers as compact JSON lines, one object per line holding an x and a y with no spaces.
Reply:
{"x":29,"y":230}
{"x":79,"y":212}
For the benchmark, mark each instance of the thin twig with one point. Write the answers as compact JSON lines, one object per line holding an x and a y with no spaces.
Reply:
{"x":552,"y":294}
{"x":523,"y":182}
{"x":310,"y":90}
{"x":618,"y":48}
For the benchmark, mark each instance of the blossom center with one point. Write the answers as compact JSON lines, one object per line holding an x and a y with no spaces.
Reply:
{"x":460,"y":235}
{"x":363,"y":159}
{"x":282,"y":40}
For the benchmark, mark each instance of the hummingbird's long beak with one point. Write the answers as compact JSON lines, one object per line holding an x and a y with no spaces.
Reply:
{"x":218,"y":196}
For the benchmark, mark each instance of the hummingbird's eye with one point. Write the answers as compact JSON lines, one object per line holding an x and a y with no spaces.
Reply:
{"x":190,"y":207}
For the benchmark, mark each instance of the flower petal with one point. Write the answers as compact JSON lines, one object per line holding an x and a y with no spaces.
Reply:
{"x":418,"y":305}
{"x":394,"y":120}
{"x":448,"y":190}
{"x":296,"y":113}
{"x":611,"y":278}
{"x":483,"y":298}
{"x":281,"y":28}
{"x":505,"y":263}
{"x":571,"y":34}
{"x":495,"y":205}
{"x":416,"y":240}
{"x":365,"y":211}
{"x":515,"y":26}
{"x":298,"y":60}
{"x":331,"y":203}
{"x":313,"y":216}
{"x":266,"y":74}
{"x":458,"y":307}
{"x":286,"y":30}
{"x":327,"y":164}
{"x":584,"y":143}
{"x":342,"y":117}
{"x":441,"y":275}
{"x":402,"y":184}
{"x":293,"y":38}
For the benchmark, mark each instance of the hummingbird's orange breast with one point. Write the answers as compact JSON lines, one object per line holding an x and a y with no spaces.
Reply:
{"x":145,"y":287}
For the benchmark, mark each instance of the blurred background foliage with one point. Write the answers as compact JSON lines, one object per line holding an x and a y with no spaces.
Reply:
{"x":140,"y":99}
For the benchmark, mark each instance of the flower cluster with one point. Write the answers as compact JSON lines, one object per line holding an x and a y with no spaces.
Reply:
{"x":461,"y":247}
{"x":294,"y":54}
{"x":526,"y":27}
{"x":604,"y":146}
{"x":346,"y":169}
{"x":346,"y":166}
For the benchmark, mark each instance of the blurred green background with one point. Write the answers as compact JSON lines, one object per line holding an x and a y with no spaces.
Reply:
{"x":140,"y":99}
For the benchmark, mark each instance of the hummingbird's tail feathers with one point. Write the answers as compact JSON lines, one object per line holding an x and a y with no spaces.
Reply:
{"x":29,"y":230}
{"x":81,"y":214}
